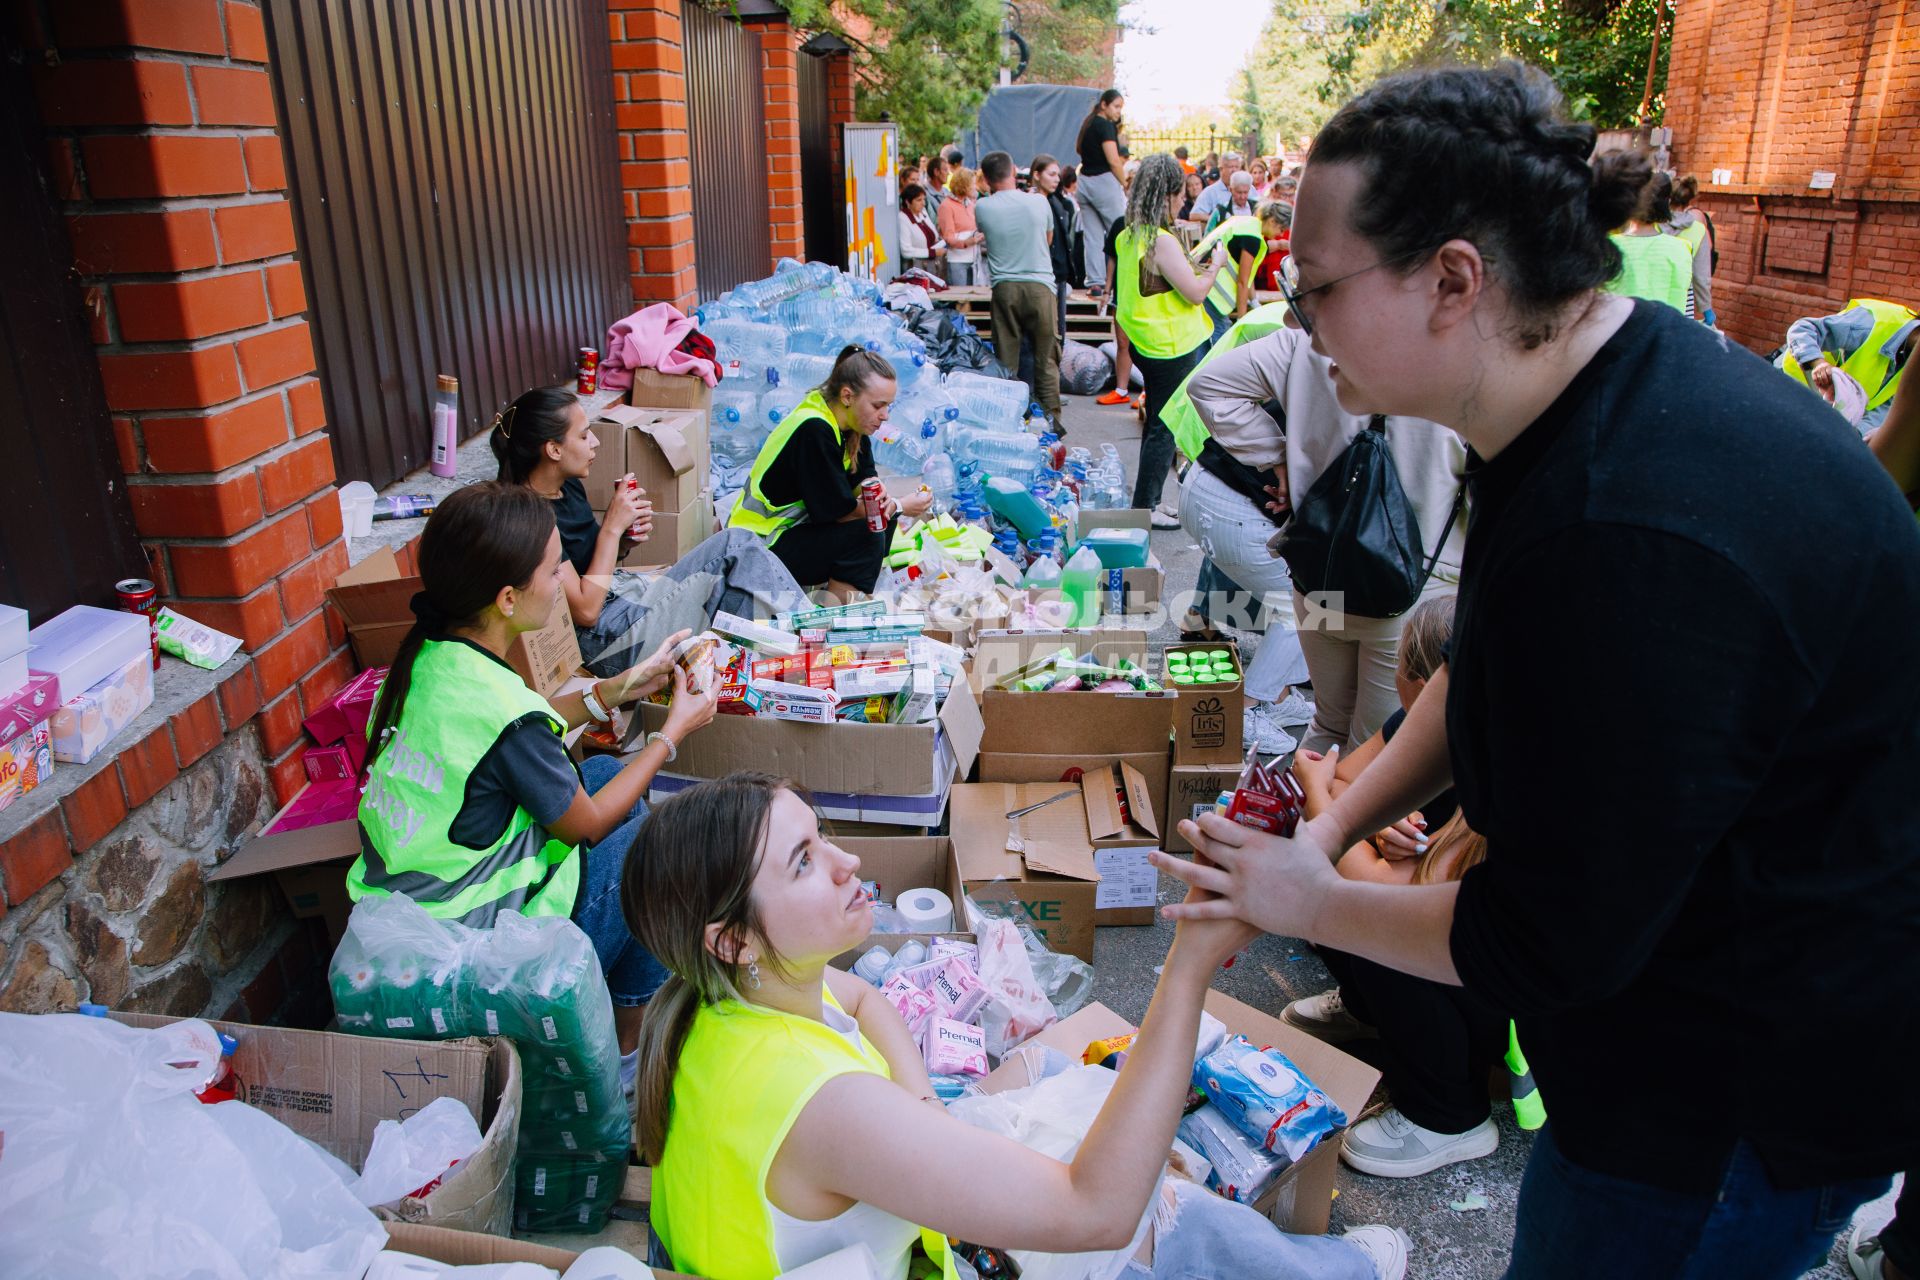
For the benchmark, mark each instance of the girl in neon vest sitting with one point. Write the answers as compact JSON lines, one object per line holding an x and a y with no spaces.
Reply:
{"x":544,"y":441}
{"x":803,"y":493}
{"x":786,"y":1109}
{"x":472,"y":806}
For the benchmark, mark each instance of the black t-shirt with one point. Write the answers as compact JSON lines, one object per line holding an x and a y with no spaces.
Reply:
{"x":1684,"y":711}
{"x":1093,"y":156}
{"x":1111,"y":245}
{"x":527,"y":767}
{"x":1237,"y":245}
{"x":811,"y":468}
{"x":1440,"y":810}
{"x":579,"y":528}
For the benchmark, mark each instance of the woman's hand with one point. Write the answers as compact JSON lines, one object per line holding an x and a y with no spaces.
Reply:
{"x":916,"y":504}
{"x":1315,"y":771}
{"x":648,"y":676}
{"x":1268,"y":881}
{"x":1403,"y":840}
{"x":1281,"y":500}
{"x":625,"y":507}
{"x":690,"y":712}
{"x":1820,"y":377}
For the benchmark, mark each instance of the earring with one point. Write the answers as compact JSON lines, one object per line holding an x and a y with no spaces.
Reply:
{"x":753,"y":974}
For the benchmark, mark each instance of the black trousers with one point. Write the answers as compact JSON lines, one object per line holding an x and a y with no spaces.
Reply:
{"x":1439,"y":1042}
{"x":845,"y":551}
{"x":1163,"y":378}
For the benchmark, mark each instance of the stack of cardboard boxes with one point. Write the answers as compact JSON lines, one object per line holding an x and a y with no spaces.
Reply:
{"x":666,"y":452}
{"x":1207,"y":723}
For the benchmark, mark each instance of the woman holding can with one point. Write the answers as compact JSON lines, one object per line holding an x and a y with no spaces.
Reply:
{"x":805,"y":492}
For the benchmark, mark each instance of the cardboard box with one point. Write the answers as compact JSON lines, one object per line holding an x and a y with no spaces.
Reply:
{"x":375,"y":598}
{"x":87,"y":721}
{"x":309,"y":862}
{"x":898,"y":774}
{"x":665,"y":449}
{"x":547,"y":658}
{"x":1057,"y":879}
{"x":1126,"y":592}
{"x":344,"y":716}
{"x":1302,"y":1199}
{"x":900,"y":865}
{"x":1008,"y":766}
{"x":655,"y":390}
{"x":1067,"y":723}
{"x":31,"y":704}
{"x":674,"y":533}
{"x":1191,"y":791}
{"x":26,"y":762}
{"x":334,"y":1088}
{"x":1208,"y":719}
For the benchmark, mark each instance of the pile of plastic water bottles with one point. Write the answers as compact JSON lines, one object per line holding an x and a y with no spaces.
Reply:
{"x":980,"y":444}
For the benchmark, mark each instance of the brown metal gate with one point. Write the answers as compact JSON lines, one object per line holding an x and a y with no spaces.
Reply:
{"x":726,"y":132}
{"x":68,"y":529}
{"x":822,"y":202}
{"x":456,"y":186}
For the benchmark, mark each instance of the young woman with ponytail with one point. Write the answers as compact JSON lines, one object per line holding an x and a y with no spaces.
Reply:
{"x":472,"y":806}
{"x":1652,"y":503}
{"x":785,"y":1108}
{"x":543,"y":441}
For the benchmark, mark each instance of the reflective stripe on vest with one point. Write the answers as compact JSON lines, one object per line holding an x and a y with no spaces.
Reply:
{"x":1872,"y":363}
{"x":743,"y":1077}
{"x":458,"y":704}
{"x":754,"y":512}
{"x":1189,"y":429}
{"x":1225,"y":292}
{"x":1161,"y":326}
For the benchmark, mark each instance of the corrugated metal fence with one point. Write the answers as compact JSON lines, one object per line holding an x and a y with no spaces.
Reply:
{"x":822,"y":191}
{"x":455,"y":177}
{"x":726,"y":131}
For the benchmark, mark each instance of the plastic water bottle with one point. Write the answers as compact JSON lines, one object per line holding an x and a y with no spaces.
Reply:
{"x":1013,"y":455}
{"x":777,"y":403}
{"x":746,"y":349}
{"x":1036,"y":420}
{"x":938,"y":474}
{"x":801,"y":372}
{"x":1007,"y":543}
{"x":1043,"y":572}
{"x":1080,"y":585}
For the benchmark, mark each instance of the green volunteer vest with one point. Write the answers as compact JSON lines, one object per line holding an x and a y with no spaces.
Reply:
{"x":459,"y":703}
{"x":1692,"y":234}
{"x":1189,"y":431}
{"x":754,"y":512}
{"x":744,"y":1074}
{"x":1871,"y":365}
{"x":1226,"y":285}
{"x":1161,"y":326}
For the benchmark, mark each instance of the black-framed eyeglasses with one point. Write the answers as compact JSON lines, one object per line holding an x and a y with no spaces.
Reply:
{"x":1293,"y":295}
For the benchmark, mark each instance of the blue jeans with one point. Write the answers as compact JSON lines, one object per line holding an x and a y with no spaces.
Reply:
{"x":633,"y":975}
{"x":1574,"y":1223}
{"x":1215,"y":1237}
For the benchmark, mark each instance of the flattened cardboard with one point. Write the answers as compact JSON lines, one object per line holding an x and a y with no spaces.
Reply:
{"x":547,"y":658}
{"x":1207,"y":719}
{"x":334,"y":1088}
{"x":655,"y":390}
{"x":1191,"y":791}
{"x":1007,"y":766}
{"x":674,"y":534}
{"x":1055,"y":881}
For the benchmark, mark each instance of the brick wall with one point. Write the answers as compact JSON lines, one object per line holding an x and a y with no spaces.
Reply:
{"x":780,"y":76}
{"x":839,"y":100}
{"x":656,"y":172}
{"x":1774,"y":93}
{"x":169,"y":167}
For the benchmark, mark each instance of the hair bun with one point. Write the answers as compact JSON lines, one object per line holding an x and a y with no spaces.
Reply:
{"x":1618,"y":179}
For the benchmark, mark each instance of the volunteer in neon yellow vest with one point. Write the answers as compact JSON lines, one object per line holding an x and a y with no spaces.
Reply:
{"x":786,"y":1109}
{"x":1157,"y":299}
{"x":1654,"y":262}
{"x":1232,"y":293}
{"x":1869,"y":340}
{"x":803,"y":493}
{"x":472,"y":806}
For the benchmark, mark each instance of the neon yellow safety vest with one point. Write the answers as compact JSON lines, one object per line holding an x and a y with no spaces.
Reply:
{"x":1871,"y":364}
{"x":744,"y":1074}
{"x":755,"y":512}
{"x":1159,"y":326}
{"x":1226,"y":285}
{"x":1189,"y":430}
{"x":459,"y":703}
{"x":1693,"y":233}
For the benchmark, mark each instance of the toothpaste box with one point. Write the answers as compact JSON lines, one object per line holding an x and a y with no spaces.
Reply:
{"x":86,"y":723}
{"x":915,"y":703}
{"x":757,"y":636}
{"x":870,"y":682}
{"x":806,"y":618}
{"x":781,"y":701}
{"x":26,"y":761}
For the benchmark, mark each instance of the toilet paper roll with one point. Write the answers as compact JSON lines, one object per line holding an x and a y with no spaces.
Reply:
{"x":925,"y":911}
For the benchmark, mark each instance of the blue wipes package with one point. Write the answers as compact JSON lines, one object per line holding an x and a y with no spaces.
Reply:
{"x":1242,"y":1168}
{"x":1267,"y":1096}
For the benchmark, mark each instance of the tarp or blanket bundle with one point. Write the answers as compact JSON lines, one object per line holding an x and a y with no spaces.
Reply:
{"x":1026,"y":120}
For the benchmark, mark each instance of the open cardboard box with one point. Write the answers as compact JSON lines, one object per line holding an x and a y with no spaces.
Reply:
{"x":1302,"y":1199}
{"x":1127,"y":592}
{"x":1081,"y":723}
{"x":665,"y":449}
{"x":1208,"y":719}
{"x":376,"y":600}
{"x":1083,"y":863}
{"x":1012,"y":766}
{"x":899,"y":774}
{"x":922,"y":862}
{"x":653,"y":389}
{"x":334,"y":1088}
{"x":1193,"y":789}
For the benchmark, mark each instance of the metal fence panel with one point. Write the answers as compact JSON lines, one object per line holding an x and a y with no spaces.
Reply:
{"x":726,"y":132}
{"x":822,"y":192}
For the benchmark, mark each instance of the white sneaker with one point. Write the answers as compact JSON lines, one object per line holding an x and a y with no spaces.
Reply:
{"x":1262,"y":731}
{"x":1386,"y":1248}
{"x":1164,"y":517}
{"x":1295,"y":708}
{"x":1325,"y":1017}
{"x":1865,"y":1258}
{"x":1391,"y":1146}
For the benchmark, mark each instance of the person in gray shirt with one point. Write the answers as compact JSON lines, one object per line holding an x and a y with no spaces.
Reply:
{"x":1017,"y":228}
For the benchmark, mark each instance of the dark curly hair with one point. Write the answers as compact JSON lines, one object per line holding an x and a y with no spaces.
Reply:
{"x":1487,"y":155}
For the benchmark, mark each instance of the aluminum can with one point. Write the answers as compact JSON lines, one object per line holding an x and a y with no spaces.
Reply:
{"x":137,"y":595}
{"x":873,"y":500}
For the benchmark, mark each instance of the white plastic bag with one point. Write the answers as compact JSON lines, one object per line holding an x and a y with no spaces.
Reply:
{"x":408,"y":1154}
{"x":112,"y":1168}
{"x":1019,"y":1009}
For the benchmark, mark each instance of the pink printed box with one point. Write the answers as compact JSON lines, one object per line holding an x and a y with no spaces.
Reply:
{"x":33,"y":703}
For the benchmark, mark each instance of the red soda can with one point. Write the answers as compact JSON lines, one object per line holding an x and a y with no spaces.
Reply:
{"x":873,"y":499}
{"x":589,"y":372}
{"x":633,"y":487}
{"x":137,"y":596}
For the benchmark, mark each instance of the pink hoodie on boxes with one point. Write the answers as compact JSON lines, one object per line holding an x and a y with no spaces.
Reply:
{"x":650,"y":339}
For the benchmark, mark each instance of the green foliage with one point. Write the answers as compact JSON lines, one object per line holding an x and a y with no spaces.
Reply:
{"x":1068,"y":41}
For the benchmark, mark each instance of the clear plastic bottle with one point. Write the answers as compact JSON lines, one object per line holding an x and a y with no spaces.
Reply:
{"x":777,"y":403}
{"x":1043,"y":571}
{"x":1012,"y":455}
{"x":938,"y":475}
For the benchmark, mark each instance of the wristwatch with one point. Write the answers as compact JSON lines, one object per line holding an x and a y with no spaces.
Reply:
{"x":590,"y":698}
{"x":672,"y":749}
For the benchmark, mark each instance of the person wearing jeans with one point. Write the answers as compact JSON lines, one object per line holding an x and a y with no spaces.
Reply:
{"x":1018,"y":230}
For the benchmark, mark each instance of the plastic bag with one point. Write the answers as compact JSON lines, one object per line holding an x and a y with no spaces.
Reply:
{"x":1242,"y":1168}
{"x":1083,"y":370}
{"x":113,"y":1169}
{"x":1067,"y":980}
{"x":1018,"y":1008}
{"x":1267,"y":1096}
{"x":410,"y":1154}
{"x":1052,"y":1117}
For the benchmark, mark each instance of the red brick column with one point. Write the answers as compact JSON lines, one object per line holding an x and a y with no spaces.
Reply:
{"x":779,"y":47}
{"x":656,"y":172}
{"x":168,"y":165}
{"x":839,"y":99}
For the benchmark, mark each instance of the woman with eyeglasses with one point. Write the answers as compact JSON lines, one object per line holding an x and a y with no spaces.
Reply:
{"x":1651,"y":561}
{"x":1158,"y":296}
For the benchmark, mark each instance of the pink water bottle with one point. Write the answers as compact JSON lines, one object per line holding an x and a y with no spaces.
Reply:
{"x":446,"y":427}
